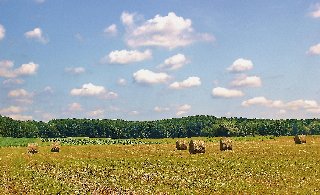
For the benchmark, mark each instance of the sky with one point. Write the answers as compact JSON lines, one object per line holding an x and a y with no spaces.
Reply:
{"x":149,"y":60}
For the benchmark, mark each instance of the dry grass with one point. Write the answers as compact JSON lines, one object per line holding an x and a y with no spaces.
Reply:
{"x":253,"y":167}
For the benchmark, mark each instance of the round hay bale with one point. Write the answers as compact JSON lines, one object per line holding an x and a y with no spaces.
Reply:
{"x":197,"y":146}
{"x":181,"y":145}
{"x":300,"y":139}
{"x":32,"y":148}
{"x":55,"y":147}
{"x":225,"y":144}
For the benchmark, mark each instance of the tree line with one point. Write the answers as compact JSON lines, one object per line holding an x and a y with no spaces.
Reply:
{"x":191,"y":126}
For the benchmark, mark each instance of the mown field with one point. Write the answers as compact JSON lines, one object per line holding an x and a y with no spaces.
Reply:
{"x":256,"y":165}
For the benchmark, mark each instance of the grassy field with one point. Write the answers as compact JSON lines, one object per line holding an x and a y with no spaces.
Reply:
{"x":256,"y":165}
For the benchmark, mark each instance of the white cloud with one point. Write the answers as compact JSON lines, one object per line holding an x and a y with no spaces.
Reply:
{"x":314,"y":50}
{"x":122,"y":81}
{"x":174,"y":62}
{"x":27,"y":69}
{"x":257,"y":101}
{"x":316,"y":11}
{"x":300,"y":104}
{"x":7,"y":71}
{"x":169,"y":31}
{"x":74,"y":107}
{"x":226,"y":93}
{"x":189,"y":82}
{"x":240,"y":65}
{"x":90,"y":89}
{"x":2,"y":32}
{"x":48,"y":89}
{"x":161,"y":109}
{"x":99,"y":113}
{"x":36,"y":34}
{"x":20,"y":117}
{"x":111,"y":30}
{"x":13,"y":81}
{"x":19,"y":93}
{"x":247,"y":81}
{"x":11,"y":110}
{"x":126,"y":56}
{"x":183,"y":109}
{"x":75,"y":70}
{"x":149,"y":77}
{"x":134,"y":112}
{"x":127,"y":18}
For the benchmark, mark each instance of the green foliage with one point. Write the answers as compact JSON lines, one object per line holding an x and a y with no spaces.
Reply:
{"x":9,"y":141}
{"x":192,"y":126}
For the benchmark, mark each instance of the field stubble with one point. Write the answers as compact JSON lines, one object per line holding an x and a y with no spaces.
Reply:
{"x":255,"y":166}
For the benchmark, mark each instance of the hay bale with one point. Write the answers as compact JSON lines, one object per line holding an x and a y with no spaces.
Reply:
{"x":197,"y":146}
{"x":225,"y":144}
{"x":32,"y":148}
{"x":181,"y":144}
{"x":55,"y":147}
{"x":300,"y":139}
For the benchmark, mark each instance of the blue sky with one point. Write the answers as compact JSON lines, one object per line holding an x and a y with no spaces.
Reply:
{"x":146,"y":60}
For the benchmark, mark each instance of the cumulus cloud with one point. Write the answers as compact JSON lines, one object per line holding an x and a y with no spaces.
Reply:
{"x":20,"y":117}
{"x":126,"y":56}
{"x":240,"y":65}
{"x":183,"y":109}
{"x":174,"y":62}
{"x":148,"y":77}
{"x":90,"y":89}
{"x":74,"y":107}
{"x":11,"y":110}
{"x":13,"y":81}
{"x":127,"y":18}
{"x":19,"y":93}
{"x":2,"y":32}
{"x":75,"y":70}
{"x":122,"y":81}
{"x":36,"y":34}
{"x":99,"y":113}
{"x":169,"y":31}
{"x":247,"y":81}
{"x":314,"y":50}
{"x":308,"y":105}
{"x":134,"y":112}
{"x":111,"y":30}
{"x":189,"y":82}
{"x":161,"y":109}
{"x":48,"y":89}
{"x":226,"y":93}
{"x":316,"y":11}
{"x":7,"y":71}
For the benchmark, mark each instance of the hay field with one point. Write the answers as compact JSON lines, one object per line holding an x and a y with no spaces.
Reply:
{"x":270,"y":166}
